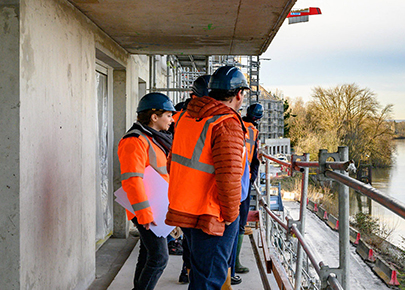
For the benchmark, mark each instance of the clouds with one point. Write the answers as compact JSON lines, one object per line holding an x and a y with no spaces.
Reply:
{"x":359,"y":42}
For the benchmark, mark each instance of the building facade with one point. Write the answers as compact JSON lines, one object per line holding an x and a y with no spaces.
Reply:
{"x":68,"y":93}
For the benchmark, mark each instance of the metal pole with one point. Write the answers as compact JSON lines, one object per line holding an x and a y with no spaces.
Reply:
{"x":150,"y":73}
{"x":344,"y":245}
{"x":154,"y":72}
{"x":305,"y":245}
{"x":303,"y":205}
{"x":168,"y":75}
{"x":268,"y":200}
{"x":207,"y":65}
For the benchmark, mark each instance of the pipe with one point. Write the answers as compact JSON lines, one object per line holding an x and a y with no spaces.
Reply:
{"x":303,"y":206}
{"x":312,"y":164}
{"x":344,"y":241}
{"x":265,"y":206}
{"x":272,"y":158}
{"x":388,"y":202}
{"x":334,"y":283}
{"x":306,"y":248}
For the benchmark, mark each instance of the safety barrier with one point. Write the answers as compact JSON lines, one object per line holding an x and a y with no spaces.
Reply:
{"x":354,"y":236}
{"x":381,"y":268}
{"x":333,"y":222}
{"x":365,"y":251}
{"x":385,"y":272}
{"x":321,"y":213}
{"x":330,"y":278}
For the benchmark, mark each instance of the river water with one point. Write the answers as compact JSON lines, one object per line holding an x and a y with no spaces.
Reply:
{"x":390,"y":181}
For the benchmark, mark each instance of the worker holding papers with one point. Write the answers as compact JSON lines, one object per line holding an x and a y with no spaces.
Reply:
{"x":142,"y":153}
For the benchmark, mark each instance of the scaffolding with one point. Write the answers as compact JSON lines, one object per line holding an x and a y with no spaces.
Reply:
{"x":182,"y":70}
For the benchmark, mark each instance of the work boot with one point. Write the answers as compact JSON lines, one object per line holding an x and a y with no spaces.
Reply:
{"x":235,"y":280}
{"x":227,"y":284}
{"x":183,"y":278}
{"x":238,"y":267}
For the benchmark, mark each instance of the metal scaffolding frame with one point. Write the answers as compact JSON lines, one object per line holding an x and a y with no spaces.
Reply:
{"x":182,"y":70}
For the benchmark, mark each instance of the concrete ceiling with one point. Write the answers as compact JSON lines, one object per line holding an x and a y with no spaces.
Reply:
{"x":189,"y":27}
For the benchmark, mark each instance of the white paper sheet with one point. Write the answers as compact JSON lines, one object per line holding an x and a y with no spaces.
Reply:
{"x":156,"y":189}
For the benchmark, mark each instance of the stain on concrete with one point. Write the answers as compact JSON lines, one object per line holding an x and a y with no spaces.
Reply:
{"x":28,"y":61}
{"x":8,"y":13}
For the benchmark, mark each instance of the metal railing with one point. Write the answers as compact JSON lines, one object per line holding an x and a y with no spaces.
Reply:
{"x":331,"y":278}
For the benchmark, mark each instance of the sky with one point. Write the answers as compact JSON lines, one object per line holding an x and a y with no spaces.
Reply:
{"x":359,"y":41}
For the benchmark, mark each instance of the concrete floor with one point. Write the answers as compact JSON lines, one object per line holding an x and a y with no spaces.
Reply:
{"x":109,"y":260}
{"x":169,"y":279}
{"x":116,"y":261}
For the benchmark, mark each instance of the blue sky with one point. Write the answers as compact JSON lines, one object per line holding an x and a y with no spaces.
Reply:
{"x":360,"y":42}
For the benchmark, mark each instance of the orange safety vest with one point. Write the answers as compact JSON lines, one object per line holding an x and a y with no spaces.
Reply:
{"x":192,"y":169}
{"x":135,"y":154}
{"x":252,"y":134}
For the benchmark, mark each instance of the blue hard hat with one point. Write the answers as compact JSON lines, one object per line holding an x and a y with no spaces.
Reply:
{"x":255,"y":111}
{"x":157,"y":101}
{"x":200,"y":86}
{"x":228,"y":78}
{"x":179,"y":106}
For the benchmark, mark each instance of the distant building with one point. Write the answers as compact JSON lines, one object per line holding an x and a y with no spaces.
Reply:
{"x":271,"y":126}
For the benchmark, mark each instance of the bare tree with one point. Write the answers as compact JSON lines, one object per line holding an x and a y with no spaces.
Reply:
{"x":345,"y":115}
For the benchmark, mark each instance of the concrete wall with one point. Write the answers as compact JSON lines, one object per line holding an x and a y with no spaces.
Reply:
{"x":9,"y":146}
{"x":58,"y":147}
{"x":49,"y":136}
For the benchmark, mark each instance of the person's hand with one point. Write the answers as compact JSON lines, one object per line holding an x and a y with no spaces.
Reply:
{"x":147,"y":226}
{"x":227,"y":223}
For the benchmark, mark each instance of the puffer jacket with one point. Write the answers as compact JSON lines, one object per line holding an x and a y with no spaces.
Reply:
{"x":227,"y":150}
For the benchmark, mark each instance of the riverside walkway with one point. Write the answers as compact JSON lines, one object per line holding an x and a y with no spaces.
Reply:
{"x":321,"y":238}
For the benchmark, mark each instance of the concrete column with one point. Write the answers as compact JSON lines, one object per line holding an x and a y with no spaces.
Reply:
{"x":10,"y":145}
{"x":121,"y":224}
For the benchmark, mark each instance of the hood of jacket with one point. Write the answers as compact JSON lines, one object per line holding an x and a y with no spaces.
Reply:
{"x":207,"y":107}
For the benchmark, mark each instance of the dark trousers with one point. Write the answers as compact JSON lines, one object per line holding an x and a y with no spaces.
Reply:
{"x":243,"y":212}
{"x":152,"y":259}
{"x":186,"y":254}
{"x":210,"y":256}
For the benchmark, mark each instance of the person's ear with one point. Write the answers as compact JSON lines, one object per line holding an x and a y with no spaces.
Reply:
{"x":154,"y":117}
{"x":239,"y":95}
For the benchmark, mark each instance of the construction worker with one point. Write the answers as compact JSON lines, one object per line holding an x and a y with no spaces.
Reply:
{"x":199,"y":89}
{"x":147,"y":143}
{"x":206,"y":167}
{"x":253,"y":113}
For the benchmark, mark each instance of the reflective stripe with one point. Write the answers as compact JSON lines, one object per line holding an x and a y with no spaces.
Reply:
{"x":151,"y":153}
{"x":251,"y":142}
{"x":127,"y":175}
{"x":181,"y":115}
{"x":141,"y":205}
{"x":194,"y":161}
{"x":195,"y":164}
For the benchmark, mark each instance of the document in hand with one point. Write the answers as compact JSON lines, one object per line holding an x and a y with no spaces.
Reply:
{"x":156,"y":189}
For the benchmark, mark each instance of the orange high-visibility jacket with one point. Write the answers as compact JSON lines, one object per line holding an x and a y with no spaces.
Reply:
{"x":251,"y":139}
{"x":196,"y":198}
{"x":135,"y":154}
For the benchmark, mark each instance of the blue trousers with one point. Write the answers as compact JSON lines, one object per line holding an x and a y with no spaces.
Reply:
{"x":210,"y":256}
{"x":152,"y":259}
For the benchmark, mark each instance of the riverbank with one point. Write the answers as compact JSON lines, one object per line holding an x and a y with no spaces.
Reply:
{"x":324,"y":203}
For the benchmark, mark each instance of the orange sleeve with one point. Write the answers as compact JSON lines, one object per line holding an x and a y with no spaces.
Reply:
{"x":227,"y":150}
{"x":133,"y":156}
